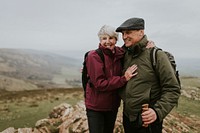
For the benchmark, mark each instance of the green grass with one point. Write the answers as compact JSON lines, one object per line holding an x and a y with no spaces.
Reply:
{"x":188,"y":107}
{"x":19,"y":114}
{"x":24,"y":109}
{"x":24,"y":116}
{"x":190,"y":81}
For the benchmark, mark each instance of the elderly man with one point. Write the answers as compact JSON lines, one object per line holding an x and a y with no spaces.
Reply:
{"x":159,"y":89}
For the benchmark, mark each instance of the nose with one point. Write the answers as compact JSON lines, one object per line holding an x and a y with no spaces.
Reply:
{"x":107,"y":40}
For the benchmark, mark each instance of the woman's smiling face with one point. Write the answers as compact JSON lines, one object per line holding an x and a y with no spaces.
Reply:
{"x":108,"y":41}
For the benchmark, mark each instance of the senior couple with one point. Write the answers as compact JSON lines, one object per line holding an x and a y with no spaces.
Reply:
{"x":127,"y":74}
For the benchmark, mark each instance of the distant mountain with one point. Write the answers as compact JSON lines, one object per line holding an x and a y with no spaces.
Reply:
{"x":39,"y":67}
{"x":77,"y":54}
{"x":25,"y":69}
{"x":186,"y":66}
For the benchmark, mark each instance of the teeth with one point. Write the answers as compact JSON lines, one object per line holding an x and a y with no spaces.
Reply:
{"x":108,"y":46}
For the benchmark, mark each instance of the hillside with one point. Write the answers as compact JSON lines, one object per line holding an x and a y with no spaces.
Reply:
{"x":40,"y":68}
{"x":186,"y":66}
{"x":31,"y":72}
{"x":56,"y":69}
{"x":61,"y":111}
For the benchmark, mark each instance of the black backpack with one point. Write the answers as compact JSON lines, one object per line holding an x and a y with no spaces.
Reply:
{"x":153,"y":56}
{"x":85,"y":77}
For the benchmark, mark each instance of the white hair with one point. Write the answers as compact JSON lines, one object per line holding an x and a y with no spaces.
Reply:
{"x":107,"y":30}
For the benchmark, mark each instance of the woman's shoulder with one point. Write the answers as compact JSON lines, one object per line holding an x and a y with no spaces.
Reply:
{"x":94,"y":56}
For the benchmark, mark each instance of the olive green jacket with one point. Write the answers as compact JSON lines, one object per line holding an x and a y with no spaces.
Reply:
{"x":161,"y":92}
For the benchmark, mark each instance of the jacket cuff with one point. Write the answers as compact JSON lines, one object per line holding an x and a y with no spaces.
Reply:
{"x":158,"y":119}
{"x":123,"y":80}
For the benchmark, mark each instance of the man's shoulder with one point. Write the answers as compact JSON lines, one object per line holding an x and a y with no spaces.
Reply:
{"x":161,"y":54}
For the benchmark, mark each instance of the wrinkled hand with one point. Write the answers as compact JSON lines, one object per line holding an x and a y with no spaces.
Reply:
{"x":130,"y":72}
{"x":150,"y":44}
{"x":149,"y":116}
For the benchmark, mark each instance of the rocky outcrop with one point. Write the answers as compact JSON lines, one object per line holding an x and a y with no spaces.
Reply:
{"x":191,"y":92}
{"x":72,"y":119}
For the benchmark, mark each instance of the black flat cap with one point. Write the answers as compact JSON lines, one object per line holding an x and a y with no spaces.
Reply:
{"x":131,"y":24}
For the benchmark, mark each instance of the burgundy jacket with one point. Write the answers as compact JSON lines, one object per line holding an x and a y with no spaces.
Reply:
{"x":105,"y":80}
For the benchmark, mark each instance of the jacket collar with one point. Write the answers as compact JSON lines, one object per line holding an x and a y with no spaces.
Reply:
{"x":137,"y":48}
{"x":119,"y":52}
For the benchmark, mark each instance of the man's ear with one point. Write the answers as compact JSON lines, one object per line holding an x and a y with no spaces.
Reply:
{"x":142,"y":32}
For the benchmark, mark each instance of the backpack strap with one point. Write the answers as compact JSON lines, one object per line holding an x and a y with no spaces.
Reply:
{"x":153,"y":57}
{"x":85,"y":76}
{"x":100,"y":53}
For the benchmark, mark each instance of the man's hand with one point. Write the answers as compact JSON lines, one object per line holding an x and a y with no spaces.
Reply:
{"x":149,"y":116}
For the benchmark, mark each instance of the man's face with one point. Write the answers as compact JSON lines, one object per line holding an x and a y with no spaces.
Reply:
{"x":131,"y":37}
{"x":108,"y":41}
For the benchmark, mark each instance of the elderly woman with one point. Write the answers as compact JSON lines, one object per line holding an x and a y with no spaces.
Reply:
{"x":102,"y":99}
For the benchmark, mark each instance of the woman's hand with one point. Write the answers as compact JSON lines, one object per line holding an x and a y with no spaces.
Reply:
{"x":130,"y":72}
{"x":150,"y":44}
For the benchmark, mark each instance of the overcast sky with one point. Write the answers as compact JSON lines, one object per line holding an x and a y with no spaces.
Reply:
{"x":173,"y":25}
